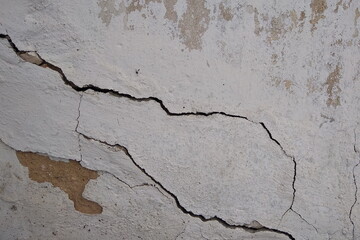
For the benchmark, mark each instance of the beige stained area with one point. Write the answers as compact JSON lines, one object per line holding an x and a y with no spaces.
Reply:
{"x":108,"y":10}
{"x":170,"y":13}
{"x":194,"y":23}
{"x":277,"y":26}
{"x":31,"y":57}
{"x":318,"y":8}
{"x":225,"y":12}
{"x":356,"y":18}
{"x":70,"y":177}
{"x":333,"y":89}
{"x":258,"y":28}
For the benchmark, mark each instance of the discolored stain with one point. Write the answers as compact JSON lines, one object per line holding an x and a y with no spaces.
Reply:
{"x":318,"y":8}
{"x":279,"y":25}
{"x":343,"y":4}
{"x":108,"y":10}
{"x":333,"y":88}
{"x":170,"y":13}
{"x":357,"y":15}
{"x":225,"y":12}
{"x":136,"y":5}
{"x":70,"y":177}
{"x":285,"y":83}
{"x":194,"y":23}
{"x":258,"y":28}
{"x":31,"y":57}
{"x":277,"y":28}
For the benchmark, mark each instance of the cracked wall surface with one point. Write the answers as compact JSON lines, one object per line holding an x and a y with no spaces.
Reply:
{"x":195,"y":119}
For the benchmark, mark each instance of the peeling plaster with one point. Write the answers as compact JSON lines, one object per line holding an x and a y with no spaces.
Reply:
{"x":70,"y":177}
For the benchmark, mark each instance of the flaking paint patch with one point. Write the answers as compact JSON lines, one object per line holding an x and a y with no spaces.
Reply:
{"x":343,"y":4}
{"x":194,"y":23}
{"x":225,"y":12}
{"x":70,"y":177}
{"x":356,"y":18}
{"x":136,"y":5}
{"x":31,"y":57}
{"x":170,"y":13}
{"x":279,"y":25}
{"x":318,"y":8}
{"x":333,"y":88}
{"x":258,"y":28}
{"x":108,"y":10}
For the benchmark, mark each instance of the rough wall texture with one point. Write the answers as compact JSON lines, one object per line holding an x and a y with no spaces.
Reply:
{"x":179,"y":119}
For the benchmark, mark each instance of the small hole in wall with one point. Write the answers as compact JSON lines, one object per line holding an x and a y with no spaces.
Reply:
{"x":137,"y":71}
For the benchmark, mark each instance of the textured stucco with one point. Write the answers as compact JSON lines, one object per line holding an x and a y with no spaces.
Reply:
{"x":201,"y":119}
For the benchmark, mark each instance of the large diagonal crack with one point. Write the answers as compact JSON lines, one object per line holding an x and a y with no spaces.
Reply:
{"x":177,"y":202}
{"x":44,"y":63}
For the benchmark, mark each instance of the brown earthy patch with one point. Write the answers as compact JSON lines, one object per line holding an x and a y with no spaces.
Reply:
{"x":194,"y":23}
{"x":333,"y":89}
{"x":70,"y":177}
{"x":318,"y":7}
{"x":108,"y":10}
{"x":225,"y":12}
{"x":258,"y":29}
{"x":170,"y":11}
{"x":31,"y":57}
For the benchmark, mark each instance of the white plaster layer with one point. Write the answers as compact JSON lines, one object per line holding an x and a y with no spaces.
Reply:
{"x":292,"y":65}
{"x":38,"y":112}
{"x":31,"y":210}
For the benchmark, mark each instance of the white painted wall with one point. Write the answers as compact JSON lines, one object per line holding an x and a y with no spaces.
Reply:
{"x":202,"y":118}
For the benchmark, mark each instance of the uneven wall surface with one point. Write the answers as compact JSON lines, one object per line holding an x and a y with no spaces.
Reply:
{"x":179,"y":119}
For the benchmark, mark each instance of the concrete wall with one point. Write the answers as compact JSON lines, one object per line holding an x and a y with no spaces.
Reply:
{"x":179,"y":119}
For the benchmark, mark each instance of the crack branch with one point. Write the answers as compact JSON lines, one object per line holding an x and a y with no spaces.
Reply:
{"x":356,"y":190}
{"x":183,"y":209}
{"x":87,"y":87}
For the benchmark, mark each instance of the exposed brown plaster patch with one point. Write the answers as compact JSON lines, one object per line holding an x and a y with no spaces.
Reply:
{"x":70,"y":177}
{"x":279,"y":25}
{"x":343,"y":4}
{"x":294,"y":17}
{"x":31,"y":57}
{"x":108,"y":10}
{"x":225,"y":12}
{"x":357,"y":15}
{"x":135,"y":5}
{"x":356,"y":18}
{"x":258,"y":28}
{"x":194,"y":23}
{"x":277,"y":28}
{"x":318,"y":8}
{"x":170,"y":13}
{"x":274,"y":58}
{"x":284,"y":83}
{"x":337,"y":6}
{"x":333,"y":88}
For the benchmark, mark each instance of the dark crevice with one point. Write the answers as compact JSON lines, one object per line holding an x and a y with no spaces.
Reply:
{"x":87,"y":87}
{"x":295,"y":166}
{"x":185,"y":211}
{"x":76,"y":128}
{"x":356,"y":191}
